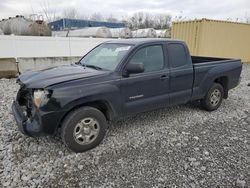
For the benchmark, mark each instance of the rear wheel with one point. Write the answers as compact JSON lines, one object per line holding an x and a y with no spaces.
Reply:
{"x":83,"y":129}
{"x":213,"y":98}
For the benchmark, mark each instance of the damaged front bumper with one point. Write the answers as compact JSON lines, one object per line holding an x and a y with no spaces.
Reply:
{"x":30,"y":127}
{"x":40,"y":124}
{"x":32,"y":120}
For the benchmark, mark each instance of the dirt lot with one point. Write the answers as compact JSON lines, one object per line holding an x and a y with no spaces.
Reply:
{"x":181,"y":146}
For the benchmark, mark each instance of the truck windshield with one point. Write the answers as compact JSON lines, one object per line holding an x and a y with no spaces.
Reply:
{"x":105,"y":56}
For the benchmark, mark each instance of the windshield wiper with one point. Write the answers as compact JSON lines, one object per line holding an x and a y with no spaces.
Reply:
{"x":92,"y":66}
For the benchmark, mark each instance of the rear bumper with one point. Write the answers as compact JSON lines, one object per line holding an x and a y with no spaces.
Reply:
{"x":235,"y":83}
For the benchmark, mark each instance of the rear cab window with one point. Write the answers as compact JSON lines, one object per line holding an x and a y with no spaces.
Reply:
{"x":177,"y":55}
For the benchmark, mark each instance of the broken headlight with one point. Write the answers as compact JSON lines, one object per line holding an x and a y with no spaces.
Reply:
{"x":41,"y":97}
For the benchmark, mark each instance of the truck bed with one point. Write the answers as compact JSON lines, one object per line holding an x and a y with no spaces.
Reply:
{"x":200,"y":59}
{"x":208,"y":69}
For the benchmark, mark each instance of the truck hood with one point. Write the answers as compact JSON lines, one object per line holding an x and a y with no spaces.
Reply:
{"x":56,"y":75}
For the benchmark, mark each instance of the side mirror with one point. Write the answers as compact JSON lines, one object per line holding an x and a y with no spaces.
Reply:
{"x":133,"y":68}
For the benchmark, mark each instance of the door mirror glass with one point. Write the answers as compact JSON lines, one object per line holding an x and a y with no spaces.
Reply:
{"x":134,"y":68}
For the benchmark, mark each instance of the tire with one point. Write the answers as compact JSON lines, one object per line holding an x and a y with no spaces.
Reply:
{"x":83,"y":129}
{"x":213,"y":98}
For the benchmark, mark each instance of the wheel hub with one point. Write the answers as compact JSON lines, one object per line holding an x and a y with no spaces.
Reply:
{"x":215,"y":97}
{"x":86,"y":131}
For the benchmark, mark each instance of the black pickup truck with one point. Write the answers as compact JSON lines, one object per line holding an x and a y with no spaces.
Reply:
{"x":117,"y":79}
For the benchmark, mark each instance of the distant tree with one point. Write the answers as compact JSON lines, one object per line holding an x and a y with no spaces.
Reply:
{"x":70,"y":13}
{"x":48,"y":12}
{"x":124,"y":21}
{"x":162,"y":21}
{"x":247,"y":18}
{"x":142,"y":20}
{"x":137,"y":21}
{"x":111,"y":19}
{"x":97,"y":17}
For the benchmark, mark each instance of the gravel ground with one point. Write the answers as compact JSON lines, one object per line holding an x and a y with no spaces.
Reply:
{"x":180,"y":146}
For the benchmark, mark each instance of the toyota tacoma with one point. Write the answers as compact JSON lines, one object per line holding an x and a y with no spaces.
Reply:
{"x":117,"y":79}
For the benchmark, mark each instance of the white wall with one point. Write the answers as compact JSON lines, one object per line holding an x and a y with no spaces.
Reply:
{"x":27,"y":64}
{"x":31,"y":46}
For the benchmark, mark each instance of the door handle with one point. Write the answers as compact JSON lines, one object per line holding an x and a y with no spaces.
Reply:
{"x":164,"y":77}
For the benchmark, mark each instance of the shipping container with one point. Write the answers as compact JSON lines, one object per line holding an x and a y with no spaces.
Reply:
{"x":214,"y":38}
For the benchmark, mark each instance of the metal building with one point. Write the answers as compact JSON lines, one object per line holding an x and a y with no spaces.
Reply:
{"x":215,"y":38}
{"x":65,"y":23}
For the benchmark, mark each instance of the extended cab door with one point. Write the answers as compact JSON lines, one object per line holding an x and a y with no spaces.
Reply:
{"x":150,"y":89}
{"x":181,"y":73}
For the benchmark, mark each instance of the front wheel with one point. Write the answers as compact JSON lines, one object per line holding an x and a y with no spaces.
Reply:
{"x":83,"y":129}
{"x":213,"y":98}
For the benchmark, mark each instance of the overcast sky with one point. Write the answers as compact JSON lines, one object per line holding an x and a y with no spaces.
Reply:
{"x":215,"y":9}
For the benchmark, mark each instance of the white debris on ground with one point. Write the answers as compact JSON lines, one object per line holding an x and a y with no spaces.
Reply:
{"x":181,"y":146}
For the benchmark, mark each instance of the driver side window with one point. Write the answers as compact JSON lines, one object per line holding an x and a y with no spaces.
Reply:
{"x":151,"y":57}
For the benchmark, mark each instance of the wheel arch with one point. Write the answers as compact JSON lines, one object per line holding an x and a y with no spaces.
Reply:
{"x":101,"y":105}
{"x":223,"y":80}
